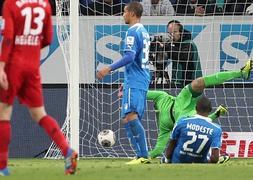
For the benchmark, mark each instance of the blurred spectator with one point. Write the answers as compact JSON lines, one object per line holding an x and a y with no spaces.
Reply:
{"x":236,"y":7}
{"x":199,"y":7}
{"x":183,"y":52}
{"x":102,"y":7}
{"x":157,"y":8}
{"x":158,"y":58}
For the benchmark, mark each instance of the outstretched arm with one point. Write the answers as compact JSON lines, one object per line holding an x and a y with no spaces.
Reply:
{"x":161,"y":142}
{"x":126,"y":59}
{"x":170,"y":149}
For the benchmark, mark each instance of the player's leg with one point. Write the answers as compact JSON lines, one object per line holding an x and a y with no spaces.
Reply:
{"x":31,"y":95}
{"x":186,"y":99}
{"x":6,"y":106}
{"x":127,"y":127}
{"x":140,"y":136}
{"x":5,"y":137}
{"x":51,"y":127}
{"x":199,"y":84}
{"x":132,"y":139}
{"x":188,"y":95}
{"x":133,"y":108}
{"x":125,"y":110}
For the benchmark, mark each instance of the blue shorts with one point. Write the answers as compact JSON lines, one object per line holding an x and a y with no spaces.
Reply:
{"x":134,"y":100}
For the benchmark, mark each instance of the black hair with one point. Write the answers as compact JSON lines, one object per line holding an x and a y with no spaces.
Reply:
{"x":135,"y":7}
{"x":204,"y":105}
{"x":181,"y":28}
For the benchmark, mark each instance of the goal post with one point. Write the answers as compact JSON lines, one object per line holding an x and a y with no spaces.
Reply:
{"x":67,"y":27}
{"x":74,"y":75}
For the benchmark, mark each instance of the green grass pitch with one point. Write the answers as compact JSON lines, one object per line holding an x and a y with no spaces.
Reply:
{"x":115,"y":169}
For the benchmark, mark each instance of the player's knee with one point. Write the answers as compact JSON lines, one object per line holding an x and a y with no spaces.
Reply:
{"x":36,"y":117}
{"x":198,"y":85}
{"x":5,"y":111}
{"x":37,"y":113}
{"x":131,"y":116}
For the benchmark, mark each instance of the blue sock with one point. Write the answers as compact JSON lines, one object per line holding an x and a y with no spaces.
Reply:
{"x":139,"y":132}
{"x":132,"y":139}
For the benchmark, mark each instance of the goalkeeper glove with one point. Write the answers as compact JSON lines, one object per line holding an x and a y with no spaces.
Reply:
{"x":221,"y":110}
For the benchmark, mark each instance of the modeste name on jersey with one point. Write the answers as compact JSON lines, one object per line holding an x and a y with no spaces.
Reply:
{"x":27,"y":40}
{"x":202,"y":129}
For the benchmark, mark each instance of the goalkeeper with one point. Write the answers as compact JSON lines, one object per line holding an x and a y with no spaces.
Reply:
{"x":169,"y":108}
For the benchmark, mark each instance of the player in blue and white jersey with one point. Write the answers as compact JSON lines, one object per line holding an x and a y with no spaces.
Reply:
{"x":193,"y":137}
{"x":136,"y":80}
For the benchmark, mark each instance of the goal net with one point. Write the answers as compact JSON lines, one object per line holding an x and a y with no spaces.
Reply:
{"x":219,"y":42}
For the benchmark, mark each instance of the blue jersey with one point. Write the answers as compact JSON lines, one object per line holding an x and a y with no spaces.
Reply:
{"x":137,"y":73}
{"x":195,"y":136}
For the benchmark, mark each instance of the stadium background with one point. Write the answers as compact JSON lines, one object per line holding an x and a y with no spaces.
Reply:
{"x":29,"y":140}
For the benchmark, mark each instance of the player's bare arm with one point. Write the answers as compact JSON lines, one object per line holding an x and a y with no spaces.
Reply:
{"x":170,"y":149}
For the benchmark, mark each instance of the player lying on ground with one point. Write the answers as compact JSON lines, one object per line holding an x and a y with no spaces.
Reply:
{"x":170,"y":108}
{"x":194,"y":136}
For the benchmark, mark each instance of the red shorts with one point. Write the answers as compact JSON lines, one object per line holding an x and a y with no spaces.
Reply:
{"x":25,"y":84}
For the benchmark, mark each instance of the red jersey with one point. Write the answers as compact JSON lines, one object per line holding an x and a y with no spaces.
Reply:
{"x":27,"y":27}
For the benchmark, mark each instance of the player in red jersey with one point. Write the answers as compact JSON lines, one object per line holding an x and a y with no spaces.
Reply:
{"x":27,"y":27}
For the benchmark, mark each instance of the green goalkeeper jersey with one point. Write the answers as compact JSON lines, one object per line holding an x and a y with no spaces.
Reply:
{"x":170,"y":108}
